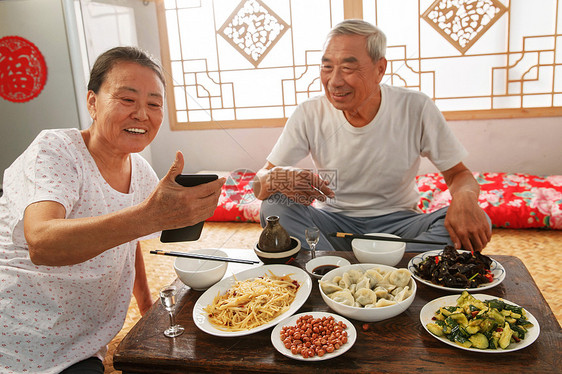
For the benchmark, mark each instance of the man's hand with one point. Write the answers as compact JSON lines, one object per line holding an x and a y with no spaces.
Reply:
{"x":466,"y":222}
{"x":300,"y":185}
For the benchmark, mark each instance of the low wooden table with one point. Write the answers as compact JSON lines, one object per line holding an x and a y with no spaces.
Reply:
{"x":399,"y":344}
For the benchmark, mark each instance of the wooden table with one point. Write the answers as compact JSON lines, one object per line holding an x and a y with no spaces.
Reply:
{"x":397,"y":345}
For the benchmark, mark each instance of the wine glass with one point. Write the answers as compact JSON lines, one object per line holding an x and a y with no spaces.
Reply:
{"x":312,"y":235}
{"x":168,"y":300}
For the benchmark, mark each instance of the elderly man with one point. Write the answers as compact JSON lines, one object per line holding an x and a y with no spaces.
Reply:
{"x":366,"y":140}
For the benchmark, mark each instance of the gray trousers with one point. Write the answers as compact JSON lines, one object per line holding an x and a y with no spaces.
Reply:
{"x":295,"y":218}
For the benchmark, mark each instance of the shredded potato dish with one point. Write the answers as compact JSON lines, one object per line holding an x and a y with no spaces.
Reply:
{"x":252,"y":302}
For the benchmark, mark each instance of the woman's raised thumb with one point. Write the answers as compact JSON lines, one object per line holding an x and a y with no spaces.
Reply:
{"x":177,"y":166}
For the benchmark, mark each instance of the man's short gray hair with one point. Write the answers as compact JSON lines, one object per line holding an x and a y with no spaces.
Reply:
{"x":376,"y":40}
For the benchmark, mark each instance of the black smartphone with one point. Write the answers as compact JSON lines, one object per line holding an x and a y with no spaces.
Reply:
{"x":188,"y":233}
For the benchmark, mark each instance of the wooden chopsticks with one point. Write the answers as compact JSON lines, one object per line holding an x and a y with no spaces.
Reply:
{"x":382,"y":238}
{"x":203,"y":257}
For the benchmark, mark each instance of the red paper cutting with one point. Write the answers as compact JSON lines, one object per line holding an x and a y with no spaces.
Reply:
{"x":23,"y":72}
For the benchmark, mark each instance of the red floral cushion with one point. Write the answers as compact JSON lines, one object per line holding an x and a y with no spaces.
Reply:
{"x":511,"y":200}
{"x":237,"y":202}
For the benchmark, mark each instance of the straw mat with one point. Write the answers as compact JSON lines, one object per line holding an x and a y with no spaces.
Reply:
{"x":540,"y":251}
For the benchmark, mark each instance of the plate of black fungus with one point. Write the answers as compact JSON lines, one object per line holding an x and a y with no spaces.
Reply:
{"x":456,"y":270}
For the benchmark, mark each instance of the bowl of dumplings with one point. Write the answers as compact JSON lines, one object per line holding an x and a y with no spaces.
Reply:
{"x":368,"y":292}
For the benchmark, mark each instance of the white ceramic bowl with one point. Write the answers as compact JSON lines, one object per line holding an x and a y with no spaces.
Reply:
{"x":201,"y":274}
{"x":378,"y":251}
{"x":322,"y":261}
{"x":284,"y":257}
{"x":367,"y":314}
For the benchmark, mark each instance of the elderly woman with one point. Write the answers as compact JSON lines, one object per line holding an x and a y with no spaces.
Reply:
{"x":75,"y":204}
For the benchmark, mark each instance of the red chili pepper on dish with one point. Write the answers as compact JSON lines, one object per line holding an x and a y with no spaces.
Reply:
{"x":489,"y":276}
{"x":436,"y":260}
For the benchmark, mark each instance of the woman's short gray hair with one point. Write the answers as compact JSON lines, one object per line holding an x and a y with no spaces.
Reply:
{"x":376,"y":40}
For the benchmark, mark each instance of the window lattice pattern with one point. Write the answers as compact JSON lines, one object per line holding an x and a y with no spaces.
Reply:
{"x":489,"y":57}
{"x":249,"y":63}
{"x":254,"y":67}
{"x":253,"y":29}
{"x":463,"y":22}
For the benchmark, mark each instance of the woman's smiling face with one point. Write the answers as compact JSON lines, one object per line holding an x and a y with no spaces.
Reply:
{"x":129,"y":108}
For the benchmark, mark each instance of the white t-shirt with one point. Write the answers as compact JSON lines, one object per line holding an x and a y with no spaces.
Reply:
{"x":372,"y":169}
{"x":52,"y":317}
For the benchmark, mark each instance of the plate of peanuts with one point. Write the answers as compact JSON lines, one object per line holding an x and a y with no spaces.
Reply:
{"x":313,"y":336}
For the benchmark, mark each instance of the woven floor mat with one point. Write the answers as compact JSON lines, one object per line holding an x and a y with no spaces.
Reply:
{"x":540,"y":251}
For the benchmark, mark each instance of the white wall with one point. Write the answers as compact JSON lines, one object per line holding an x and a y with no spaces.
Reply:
{"x":525,"y":145}
{"x":531,"y":145}
{"x":42,"y":23}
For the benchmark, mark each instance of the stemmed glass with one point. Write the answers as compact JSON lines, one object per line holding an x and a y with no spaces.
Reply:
{"x":168,"y":300}
{"x":312,"y":235}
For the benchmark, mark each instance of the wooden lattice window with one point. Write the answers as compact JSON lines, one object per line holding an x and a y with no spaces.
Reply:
{"x":249,"y":63}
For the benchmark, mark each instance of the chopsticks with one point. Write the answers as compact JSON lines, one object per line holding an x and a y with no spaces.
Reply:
{"x":382,"y":238}
{"x":203,"y":257}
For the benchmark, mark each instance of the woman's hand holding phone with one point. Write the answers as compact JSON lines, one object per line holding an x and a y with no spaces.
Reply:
{"x":171,"y":206}
{"x":188,"y":233}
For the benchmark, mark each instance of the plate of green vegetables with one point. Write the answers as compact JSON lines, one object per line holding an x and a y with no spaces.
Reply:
{"x":480,"y":323}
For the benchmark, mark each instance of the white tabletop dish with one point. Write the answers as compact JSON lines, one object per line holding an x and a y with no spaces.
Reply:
{"x":324,"y":260}
{"x":496,"y":268}
{"x":200,"y":316}
{"x":201,"y":274}
{"x":429,"y":309}
{"x":291,"y":321}
{"x":379,"y":251}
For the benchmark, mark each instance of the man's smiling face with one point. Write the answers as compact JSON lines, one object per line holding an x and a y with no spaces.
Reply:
{"x":349,"y":75}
